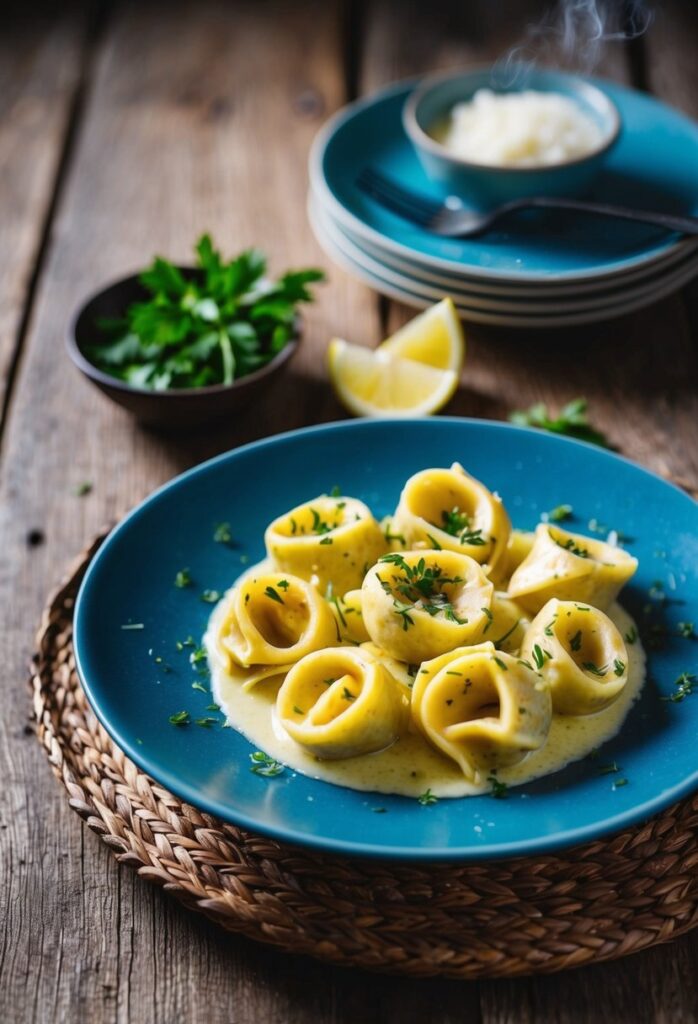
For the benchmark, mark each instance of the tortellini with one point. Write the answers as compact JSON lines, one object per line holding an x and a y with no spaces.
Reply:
{"x":571,"y":568}
{"x":446,"y":645}
{"x":341,"y":703}
{"x":273,"y":619}
{"x":483,"y":708}
{"x":330,"y":540}
{"x":580,"y":654}
{"x":450,"y":510}
{"x":421,"y":603}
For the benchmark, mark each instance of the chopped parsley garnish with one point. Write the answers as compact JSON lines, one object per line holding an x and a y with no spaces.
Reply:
{"x":685,"y":685}
{"x":631,"y":635}
{"x":297,"y":710}
{"x":434,"y":543}
{"x":505,"y":636}
{"x":500,"y":790}
{"x":206,"y":723}
{"x":454,"y":522}
{"x":576,"y":641}
{"x":594,"y":670}
{"x":394,"y":536}
{"x":572,"y":420}
{"x":222,"y":323}
{"x":490,"y":618}
{"x":183,"y":579}
{"x":608,"y":769}
{"x":540,"y":655}
{"x":472,"y":537}
{"x":326,"y":540}
{"x":319,"y":525}
{"x":263,"y":764}
{"x":180,"y":718}
{"x":502,"y":664}
{"x":549,"y":628}
{"x":617,"y":783}
{"x":189,"y":642}
{"x":213,"y":707}
{"x":618,"y":667}
{"x":686,"y":630}
{"x":223,"y":534}
{"x":421,"y":587}
{"x":347,"y":694}
{"x":559,"y":514}
{"x":427,"y":798}
{"x":571,"y":546}
{"x":273,"y":595}
{"x":83,"y":489}
{"x":198,"y":655}
{"x":210,"y":596}
{"x":336,"y":491}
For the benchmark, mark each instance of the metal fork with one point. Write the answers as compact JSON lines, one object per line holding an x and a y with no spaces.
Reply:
{"x":452,"y":220}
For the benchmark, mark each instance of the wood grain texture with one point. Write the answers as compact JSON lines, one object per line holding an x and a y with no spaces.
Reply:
{"x":174,"y":139}
{"x":40,"y":63}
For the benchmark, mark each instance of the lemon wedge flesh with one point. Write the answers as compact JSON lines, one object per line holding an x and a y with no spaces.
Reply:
{"x":371,"y":382}
{"x":435,"y":338}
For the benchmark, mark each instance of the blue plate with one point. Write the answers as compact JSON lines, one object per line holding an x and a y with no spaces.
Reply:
{"x":652,"y":165}
{"x":130,"y":583}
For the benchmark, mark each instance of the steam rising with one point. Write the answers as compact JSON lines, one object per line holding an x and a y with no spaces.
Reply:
{"x":572,"y":34}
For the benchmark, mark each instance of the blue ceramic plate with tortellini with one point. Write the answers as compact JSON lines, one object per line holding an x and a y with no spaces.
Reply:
{"x":429,"y":639}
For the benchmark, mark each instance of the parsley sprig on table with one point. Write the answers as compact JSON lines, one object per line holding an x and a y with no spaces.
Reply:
{"x":227,"y":322}
{"x":572,"y":420}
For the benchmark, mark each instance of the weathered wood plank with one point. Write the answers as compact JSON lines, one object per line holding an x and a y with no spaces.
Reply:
{"x":194,"y":121}
{"x":672,"y":72}
{"x":40,"y":64}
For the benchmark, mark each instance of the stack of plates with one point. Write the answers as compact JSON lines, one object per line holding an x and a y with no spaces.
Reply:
{"x":539,"y":269}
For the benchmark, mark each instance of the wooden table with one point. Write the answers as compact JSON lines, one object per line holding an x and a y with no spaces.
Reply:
{"x":127,"y":129}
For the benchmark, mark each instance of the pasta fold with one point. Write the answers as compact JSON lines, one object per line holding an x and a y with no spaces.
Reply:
{"x":341,"y":703}
{"x":273,"y":620}
{"x":419,"y":604}
{"x":481,"y":707}
{"x":580,"y":654}
{"x":330,"y":540}
{"x":571,"y":568}
{"x":449,"y":509}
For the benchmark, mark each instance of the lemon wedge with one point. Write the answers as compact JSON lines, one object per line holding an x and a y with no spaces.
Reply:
{"x":435,"y":338}
{"x":371,"y":382}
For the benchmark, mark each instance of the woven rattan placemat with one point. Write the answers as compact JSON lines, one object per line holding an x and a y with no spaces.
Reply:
{"x":532,"y":914}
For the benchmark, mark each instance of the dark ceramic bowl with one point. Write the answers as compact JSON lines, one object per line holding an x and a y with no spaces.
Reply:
{"x":181,"y":407}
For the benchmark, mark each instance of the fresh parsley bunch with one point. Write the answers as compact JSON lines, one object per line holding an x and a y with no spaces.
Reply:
{"x":227,"y":322}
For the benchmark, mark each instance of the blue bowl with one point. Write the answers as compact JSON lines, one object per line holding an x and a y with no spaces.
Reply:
{"x":487,"y":185}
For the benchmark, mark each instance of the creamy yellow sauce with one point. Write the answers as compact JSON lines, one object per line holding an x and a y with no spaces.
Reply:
{"x":411,"y":766}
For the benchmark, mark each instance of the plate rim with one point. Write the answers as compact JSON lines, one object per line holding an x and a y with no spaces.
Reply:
{"x":350,"y":110}
{"x":677,"y":272}
{"x":490,"y":290}
{"x":533,"y":321}
{"x":542,"y":844}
